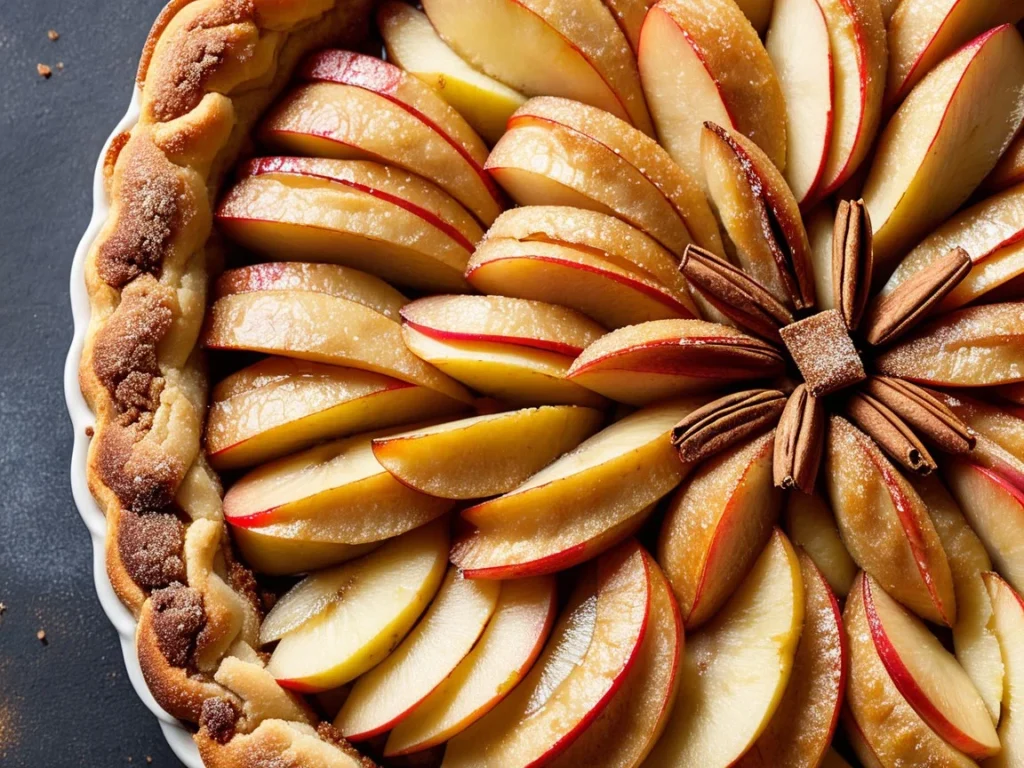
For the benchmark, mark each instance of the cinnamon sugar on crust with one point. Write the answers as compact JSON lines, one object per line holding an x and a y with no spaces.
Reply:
{"x":218,"y":718}
{"x":152,"y":548}
{"x":178,"y":618}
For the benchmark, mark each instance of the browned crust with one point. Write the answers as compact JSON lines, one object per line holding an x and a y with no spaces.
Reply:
{"x":208,"y":70}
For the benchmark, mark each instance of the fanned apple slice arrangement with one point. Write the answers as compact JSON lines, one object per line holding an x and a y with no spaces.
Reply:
{"x":639,"y":383}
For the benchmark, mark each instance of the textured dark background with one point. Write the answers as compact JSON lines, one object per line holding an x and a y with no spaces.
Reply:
{"x":69,"y":702}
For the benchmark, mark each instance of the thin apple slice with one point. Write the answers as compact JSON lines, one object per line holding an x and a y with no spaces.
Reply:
{"x":358,"y":107}
{"x":736,"y":669}
{"x":630,"y":16}
{"x":586,"y":56}
{"x":320,"y":328}
{"x":430,"y":652}
{"x":863,"y":751}
{"x":335,"y":492}
{"x":812,"y":526}
{"x":503,"y":319}
{"x":624,"y":734}
{"x":885,"y":525}
{"x":940,"y":143}
{"x":277,"y":550}
{"x":973,"y":347}
{"x":820,"y":223}
{"x":856,"y":31}
{"x":606,"y":236}
{"x":716,"y":525}
{"x":339,"y":623}
{"x":1009,"y":171}
{"x":678,"y":195}
{"x":627,"y":465}
{"x":801,"y":730}
{"x":703,"y":61}
{"x":975,"y":646}
{"x":798,"y":45}
{"x":995,"y":509}
{"x":648,"y":362}
{"x":280,"y":405}
{"x":506,"y":651}
{"x":413,"y":44}
{"x":1002,"y":424}
{"x":927,"y":675}
{"x":517,"y":374}
{"x":595,"y":644}
{"x":484,"y":455}
{"x":992,"y":233}
{"x":1008,"y":626}
{"x":381,"y":220}
{"x":833,"y":759}
{"x":760,"y":214}
{"x":921,"y":33}
{"x":885,"y":729}
{"x":574,"y":277}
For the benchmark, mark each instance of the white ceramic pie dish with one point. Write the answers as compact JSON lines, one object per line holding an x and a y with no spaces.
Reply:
{"x":177,"y":736}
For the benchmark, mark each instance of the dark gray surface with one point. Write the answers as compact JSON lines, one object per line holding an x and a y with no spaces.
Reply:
{"x":68,"y":703}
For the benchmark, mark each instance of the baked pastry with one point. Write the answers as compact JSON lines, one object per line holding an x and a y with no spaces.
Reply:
{"x":659,"y":407}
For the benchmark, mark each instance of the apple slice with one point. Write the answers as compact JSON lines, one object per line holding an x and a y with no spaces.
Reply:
{"x":716,"y":525}
{"x":338,"y":623}
{"x":1008,"y":626}
{"x":320,"y":328}
{"x":585,"y":55}
{"x":359,"y":107}
{"x":276,"y":550}
{"x":927,"y":675}
{"x":606,"y":236}
{"x":381,"y":220}
{"x":975,"y":646}
{"x":973,"y":347}
{"x":1001,"y":424}
{"x":863,"y":751}
{"x":921,"y":33}
{"x":484,"y":455}
{"x":280,"y":405}
{"x":995,"y":509}
{"x":648,"y":362}
{"x":413,"y":44}
{"x":630,"y":16}
{"x":801,"y":729}
{"x":574,"y":277}
{"x":991,"y":231}
{"x":885,"y":729}
{"x":506,"y":651}
{"x":833,"y":759}
{"x":820,"y":222}
{"x":760,"y":214}
{"x":1009,"y":171}
{"x":595,"y":644}
{"x":798,"y":45}
{"x":856,"y":32}
{"x":448,"y":631}
{"x":736,"y":669}
{"x":517,"y":374}
{"x":503,"y":319}
{"x":675,"y":211}
{"x":940,"y":144}
{"x":885,"y":524}
{"x":335,"y":492}
{"x":627,"y":730}
{"x":812,"y":526}
{"x":703,"y":61}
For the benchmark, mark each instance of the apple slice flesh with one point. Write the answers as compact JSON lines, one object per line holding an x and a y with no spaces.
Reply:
{"x":321,"y":329}
{"x":1008,"y":626}
{"x":484,"y":455}
{"x":801,"y":729}
{"x":280,"y":405}
{"x":514,"y":373}
{"x":717,"y":525}
{"x":339,"y":623}
{"x":413,"y":44}
{"x":1009,"y":171}
{"x":278,"y":550}
{"x":927,"y":675}
{"x":940,"y":145}
{"x":812,"y":526}
{"x":735,"y":670}
{"x":594,"y":646}
{"x":429,"y":653}
{"x":630,"y":725}
{"x":361,"y":214}
{"x":505,"y":653}
{"x":335,"y":492}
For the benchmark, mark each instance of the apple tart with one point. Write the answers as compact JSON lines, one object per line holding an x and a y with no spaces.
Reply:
{"x":604,"y":383}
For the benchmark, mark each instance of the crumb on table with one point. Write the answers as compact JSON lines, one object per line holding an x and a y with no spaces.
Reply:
{"x":44,"y":70}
